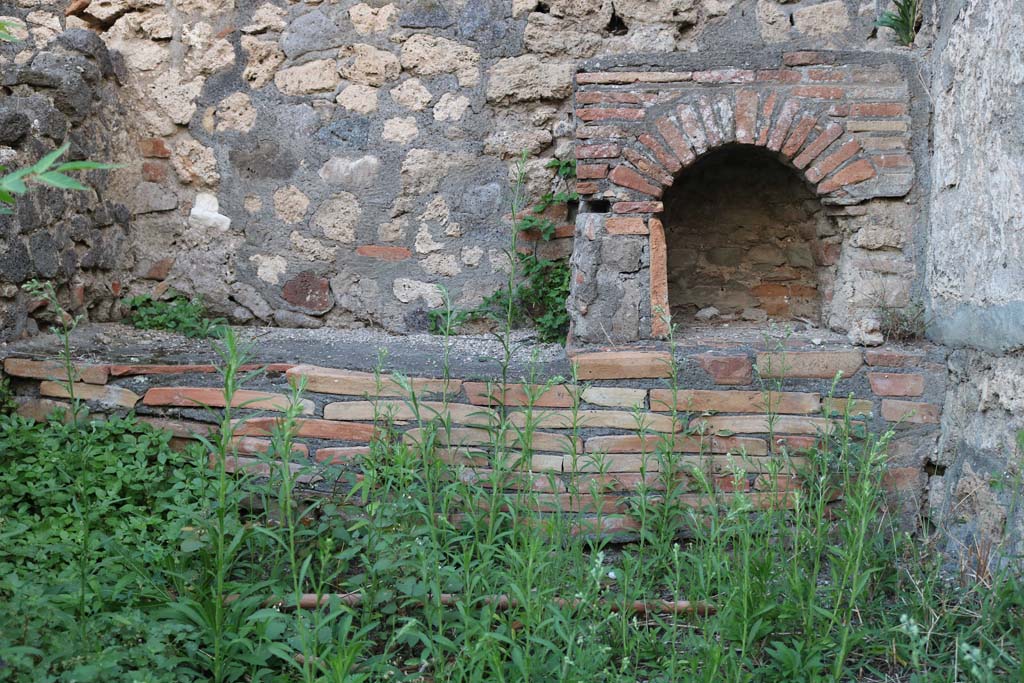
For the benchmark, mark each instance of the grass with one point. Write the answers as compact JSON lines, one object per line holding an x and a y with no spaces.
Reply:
{"x":126,"y":560}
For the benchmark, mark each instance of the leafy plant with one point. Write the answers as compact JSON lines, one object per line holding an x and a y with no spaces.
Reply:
{"x":177,"y":315}
{"x":903,"y":21}
{"x":538,"y":289}
{"x":5,"y":33}
{"x":7,"y":402}
{"x":564,"y":168}
{"x":46,"y":171}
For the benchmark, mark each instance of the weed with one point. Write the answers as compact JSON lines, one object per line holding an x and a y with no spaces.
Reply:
{"x":903,"y":21}
{"x":7,"y":403}
{"x":177,"y":315}
{"x":537,"y":288}
{"x":65,"y":326}
{"x":903,"y":323}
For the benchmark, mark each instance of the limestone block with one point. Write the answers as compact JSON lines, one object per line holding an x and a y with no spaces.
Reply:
{"x":235,"y":112}
{"x":209,"y":8}
{"x":176,"y":98}
{"x":528,"y":78}
{"x":107,"y":10}
{"x":269,"y":267}
{"x":408,"y":290}
{"x":550,"y":35}
{"x":426,"y":55}
{"x":450,"y":107}
{"x":362,"y":99}
{"x":290,"y":204}
{"x":822,"y":20}
{"x":412,"y":94}
{"x":510,"y":144}
{"x":264,"y":58}
{"x":401,"y":129}
{"x":441,"y":264}
{"x":338,"y":217}
{"x":195,"y":163}
{"x":423,"y":169}
{"x":684,"y":12}
{"x":267,"y":17}
{"x":366,"y":19}
{"x":361,"y":63}
{"x":207,"y":54}
{"x":316,"y":76}
{"x":772,"y":22}
{"x":311,"y":249}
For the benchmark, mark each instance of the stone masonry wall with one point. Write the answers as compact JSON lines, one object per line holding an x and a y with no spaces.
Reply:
{"x":975,"y":275}
{"x":55,"y":88}
{"x":310,"y":163}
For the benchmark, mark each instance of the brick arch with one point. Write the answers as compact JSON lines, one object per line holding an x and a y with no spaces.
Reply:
{"x":799,"y":134}
{"x":841,"y":125}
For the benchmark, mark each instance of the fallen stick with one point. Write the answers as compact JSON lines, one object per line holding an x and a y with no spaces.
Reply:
{"x":504,"y":602}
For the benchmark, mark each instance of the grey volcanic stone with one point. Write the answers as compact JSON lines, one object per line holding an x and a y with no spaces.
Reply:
{"x":425,"y":14}
{"x":311,"y":32}
{"x":265,"y":159}
{"x":353,"y":131}
{"x":14,"y":125}
{"x":89,"y":44}
{"x":295,"y":319}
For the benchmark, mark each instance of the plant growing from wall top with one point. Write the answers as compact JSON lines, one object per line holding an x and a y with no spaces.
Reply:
{"x":538,"y":292}
{"x":177,"y":315}
{"x":903,"y":21}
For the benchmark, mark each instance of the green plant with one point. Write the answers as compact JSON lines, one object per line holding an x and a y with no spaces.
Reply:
{"x":903,"y":323}
{"x":7,"y":403}
{"x":47,"y":172}
{"x":121,"y":559}
{"x":537,"y":288}
{"x":177,"y":315}
{"x":80,"y":507}
{"x":5,"y":33}
{"x":66,"y":324}
{"x":903,"y":21}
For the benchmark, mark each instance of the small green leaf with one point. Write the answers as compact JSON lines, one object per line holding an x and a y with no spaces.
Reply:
{"x":61,"y":181}
{"x":47,"y":161}
{"x":85,"y":166}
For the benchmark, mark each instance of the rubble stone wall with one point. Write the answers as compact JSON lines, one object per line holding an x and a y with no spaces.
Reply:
{"x":312,"y":163}
{"x":64,"y":89}
{"x":975,"y":273}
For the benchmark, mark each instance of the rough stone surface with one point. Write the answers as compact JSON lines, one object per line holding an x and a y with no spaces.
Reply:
{"x":62,"y":87}
{"x":975,"y":263}
{"x":975,"y":250}
{"x":526,"y":78}
{"x":314,"y":77}
{"x":426,"y":55}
